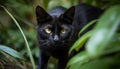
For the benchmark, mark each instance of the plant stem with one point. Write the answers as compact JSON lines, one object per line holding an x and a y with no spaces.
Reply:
{"x":27,"y":45}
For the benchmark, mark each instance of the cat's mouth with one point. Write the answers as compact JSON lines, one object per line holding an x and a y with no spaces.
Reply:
{"x":54,"y":44}
{"x":60,"y":43}
{"x":49,"y":43}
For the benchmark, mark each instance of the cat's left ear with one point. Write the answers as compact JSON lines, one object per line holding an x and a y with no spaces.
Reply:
{"x":42,"y":15}
{"x":69,"y":14}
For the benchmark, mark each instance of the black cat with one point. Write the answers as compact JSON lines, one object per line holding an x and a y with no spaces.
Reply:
{"x":58,"y":30}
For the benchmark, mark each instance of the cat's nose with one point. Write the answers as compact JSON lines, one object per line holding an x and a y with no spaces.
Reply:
{"x":56,"y":38}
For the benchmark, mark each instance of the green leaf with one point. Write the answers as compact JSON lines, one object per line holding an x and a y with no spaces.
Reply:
{"x":114,"y":45}
{"x":11,"y":52}
{"x":111,"y":62}
{"x":104,"y":31}
{"x":86,"y":26}
{"x":80,"y":42}
{"x":80,"y":58}
{"x":24,"y":37}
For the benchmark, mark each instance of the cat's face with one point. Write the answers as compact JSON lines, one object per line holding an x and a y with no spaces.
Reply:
{"x":53,"y":29}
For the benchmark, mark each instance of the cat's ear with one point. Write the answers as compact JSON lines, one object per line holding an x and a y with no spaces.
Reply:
{"x":41,"y":14}
{"x":69,"y":14}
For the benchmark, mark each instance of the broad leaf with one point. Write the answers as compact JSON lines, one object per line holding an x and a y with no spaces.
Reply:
{"x":80,"y":42}
{"x":11,"y":52}
{"x":103,"y":63}
{"x":104,"y":31}
{"x":82,"y":39}
{"x":80,"y":58}
{"x":114,"y":45}
{"x":86,"y":26}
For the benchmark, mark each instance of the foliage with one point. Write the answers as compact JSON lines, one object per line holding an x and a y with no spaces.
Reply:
{"x":103,"y":48}
{"x":24,"y":13}
{"x":26,"y":42}
{"x":11,"y":52}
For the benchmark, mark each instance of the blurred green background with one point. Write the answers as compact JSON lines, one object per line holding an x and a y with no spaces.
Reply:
{"x":24,"y":13}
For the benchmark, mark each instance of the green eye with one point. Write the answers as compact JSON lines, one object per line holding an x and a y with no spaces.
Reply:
{"x":48,"y":30}
{"x":63,"y":31}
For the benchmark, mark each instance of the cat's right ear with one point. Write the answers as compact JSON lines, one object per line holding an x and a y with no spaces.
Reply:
{"x":68,"y":16}
{"x":41,"y":15}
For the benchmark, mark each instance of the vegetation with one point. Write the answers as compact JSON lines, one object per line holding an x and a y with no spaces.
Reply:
{"x":102,"y":44}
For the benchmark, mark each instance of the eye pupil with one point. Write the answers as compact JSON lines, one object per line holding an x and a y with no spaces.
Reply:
{"x":48,"y":30}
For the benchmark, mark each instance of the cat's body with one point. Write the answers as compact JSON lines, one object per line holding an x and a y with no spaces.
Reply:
{"x":58,"y":30}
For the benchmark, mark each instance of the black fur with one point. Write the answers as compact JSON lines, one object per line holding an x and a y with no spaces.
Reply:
{"x":56,"y":44}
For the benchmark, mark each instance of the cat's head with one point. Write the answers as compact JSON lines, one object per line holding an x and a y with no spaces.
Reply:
{"x":54,"y":29}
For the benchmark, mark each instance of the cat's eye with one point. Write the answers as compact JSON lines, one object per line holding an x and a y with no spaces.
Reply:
{"x":48,"y":30}
{"x":63,"y":31}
